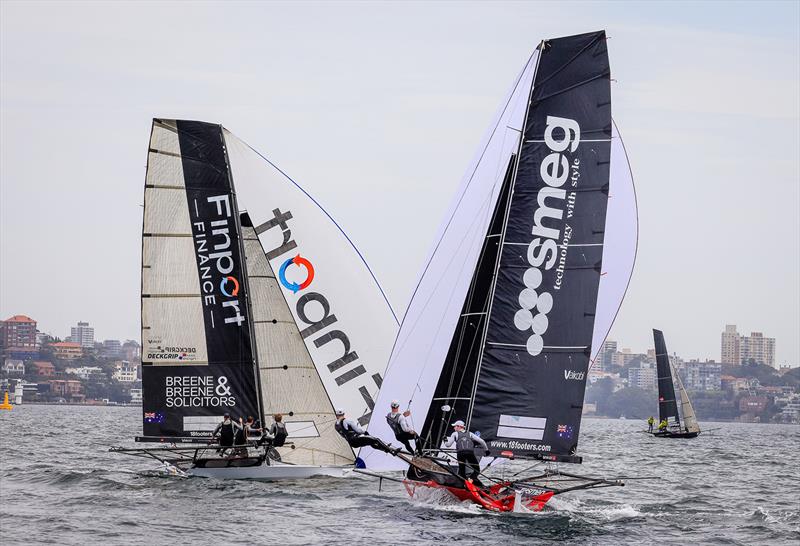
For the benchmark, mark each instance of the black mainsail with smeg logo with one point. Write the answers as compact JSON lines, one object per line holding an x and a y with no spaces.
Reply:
{"x":528,"y":394}
{"x":512,"y":304}
{"x":517,"y":293}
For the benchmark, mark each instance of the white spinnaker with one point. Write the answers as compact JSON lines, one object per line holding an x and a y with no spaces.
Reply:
{"x":290,"y":384}
{"x":687,"y":411}
{"x":172,"y":311}
{"x":432,"y":314}
{"x":620,"y":242}
{"x":351,"y":342}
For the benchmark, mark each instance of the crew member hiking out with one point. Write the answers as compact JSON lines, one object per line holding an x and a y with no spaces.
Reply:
{"x":226,"y":431}
{"x":465,"y":451}
{"x":400,"y":425}
{"x":357,"y":437}
{"x":650,"y":422}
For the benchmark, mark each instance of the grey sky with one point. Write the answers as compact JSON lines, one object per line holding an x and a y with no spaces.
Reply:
{"x":376,"y":109}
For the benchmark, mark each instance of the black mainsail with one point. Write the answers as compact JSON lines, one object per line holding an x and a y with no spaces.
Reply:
{"x":500,"y":328}
{"x":667,"y":403}
{"x":197,"y":357}
{"x":532,"y":376}
{"x":512,"y":283}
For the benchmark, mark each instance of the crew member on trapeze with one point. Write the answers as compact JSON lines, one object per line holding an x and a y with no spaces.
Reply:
{"x":357,"y":437}
{"x":402,"y":429}
{"x":465,"y":451}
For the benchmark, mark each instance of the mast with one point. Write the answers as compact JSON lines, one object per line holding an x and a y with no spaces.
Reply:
{"x":245,"y":281}
{"x":461,"y":365}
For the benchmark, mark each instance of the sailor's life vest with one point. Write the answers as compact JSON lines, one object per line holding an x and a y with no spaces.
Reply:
{"x":464,"y":442}
{"x":239,"y":438}
{"x":280,"y":434}
{"x":394,"y":423}
{"x":226,"y":434}
{"x":346,"y":433}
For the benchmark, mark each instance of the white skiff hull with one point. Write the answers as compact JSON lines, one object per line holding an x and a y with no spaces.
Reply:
{"x":275,"y":471}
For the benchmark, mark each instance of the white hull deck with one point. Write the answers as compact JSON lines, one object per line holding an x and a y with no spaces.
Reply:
{"x":271,"y":472}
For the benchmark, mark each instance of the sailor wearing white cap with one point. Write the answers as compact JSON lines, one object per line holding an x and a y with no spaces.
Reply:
{"x":465,"y":450}
{"x":401,"y":426}
{"x":356,"y":436}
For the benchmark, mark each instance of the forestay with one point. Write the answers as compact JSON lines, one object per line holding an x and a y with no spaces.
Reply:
{"x":197,"y":360}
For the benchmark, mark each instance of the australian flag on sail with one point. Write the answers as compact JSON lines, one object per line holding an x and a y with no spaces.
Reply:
{"x":539,"y":336}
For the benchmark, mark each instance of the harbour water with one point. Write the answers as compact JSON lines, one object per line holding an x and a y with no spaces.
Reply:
{"x":735,"y":484}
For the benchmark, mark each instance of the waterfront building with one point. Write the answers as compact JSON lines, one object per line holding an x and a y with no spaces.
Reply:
{"x":85,"y":372}
{"x":125,"y":372}
{"x":605,"y":358}
{"x":753,"y":404}
{"x":737,"y":349}
{"x":18,"y":331}
{"x":758,"y":348}
{"x":136,"y":396}
{"x":67,"y":350}
{"x":14,"y":367}
{"x":82,"y":334}
{"x":111,"y":348}
{"x":701,"y":376}
{"x":43,"y":368}
{"x":729,"y":350}
{"x":69,"y":389}
{"x":643,"y":377}
{"x":131,"y":351}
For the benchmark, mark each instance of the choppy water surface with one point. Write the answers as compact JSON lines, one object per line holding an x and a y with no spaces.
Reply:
{"x":735,"y":485}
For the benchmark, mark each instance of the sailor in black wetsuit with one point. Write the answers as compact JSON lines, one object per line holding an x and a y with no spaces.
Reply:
{"x":226,"y":431}
{"x":356,"y":436}
{"x":465,"y":451}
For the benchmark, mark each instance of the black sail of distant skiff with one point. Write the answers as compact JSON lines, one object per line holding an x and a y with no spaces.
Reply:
{"x":667,"y":403}
{"x":197,"y":356}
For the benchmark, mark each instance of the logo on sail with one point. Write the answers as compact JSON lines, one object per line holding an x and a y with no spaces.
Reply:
{"x":214,"y":248}
{"x":535,"y":303}
{"x":314,"y":310}
{"x":300,"y":262}
{"x":223,"y":286}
